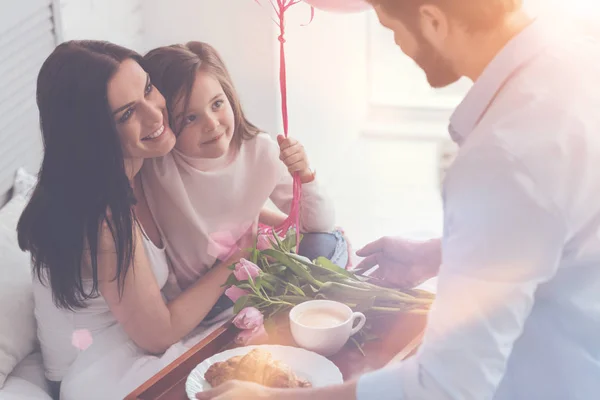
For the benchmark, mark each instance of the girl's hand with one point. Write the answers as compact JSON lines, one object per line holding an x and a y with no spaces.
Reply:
{"x":294,"y":157}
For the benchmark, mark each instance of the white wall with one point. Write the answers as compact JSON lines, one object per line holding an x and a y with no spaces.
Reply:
{"x":327,"y":67}
{"x":240,"y":30}
{"x":118,"y":21}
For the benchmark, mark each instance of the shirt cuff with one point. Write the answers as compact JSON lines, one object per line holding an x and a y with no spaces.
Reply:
{"x":383,"y":384}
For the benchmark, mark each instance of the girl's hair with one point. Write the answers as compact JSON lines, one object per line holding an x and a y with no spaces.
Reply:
{"x":475,"y":14}
{"x":173,"y":71}
{"x":82,"y":177}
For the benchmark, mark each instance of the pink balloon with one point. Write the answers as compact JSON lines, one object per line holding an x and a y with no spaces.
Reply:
{"x":345,"y":6}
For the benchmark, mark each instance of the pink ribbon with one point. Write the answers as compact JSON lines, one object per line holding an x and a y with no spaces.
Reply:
{"x":293,"y":219}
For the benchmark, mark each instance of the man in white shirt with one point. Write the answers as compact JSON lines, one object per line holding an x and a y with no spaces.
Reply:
{"x":517,"y":314}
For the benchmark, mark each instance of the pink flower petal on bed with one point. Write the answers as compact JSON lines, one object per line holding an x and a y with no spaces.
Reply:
{"x":81,"y":339}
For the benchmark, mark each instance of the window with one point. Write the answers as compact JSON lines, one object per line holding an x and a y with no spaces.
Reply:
{"x":394,"y":80}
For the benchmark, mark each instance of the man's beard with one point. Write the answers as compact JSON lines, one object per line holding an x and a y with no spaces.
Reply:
{"x":438,"y":70}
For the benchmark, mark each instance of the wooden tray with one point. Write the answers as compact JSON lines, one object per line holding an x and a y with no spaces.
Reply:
{"x":400,"y":337}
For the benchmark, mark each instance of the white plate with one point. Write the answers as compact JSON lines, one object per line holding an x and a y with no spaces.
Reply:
{"x":315,"y":368}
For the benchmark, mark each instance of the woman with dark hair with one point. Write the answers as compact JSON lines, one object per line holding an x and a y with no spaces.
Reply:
{"x":97,"y":254}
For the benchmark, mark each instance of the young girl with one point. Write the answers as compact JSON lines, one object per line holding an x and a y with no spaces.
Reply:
{"x":211,"y":188}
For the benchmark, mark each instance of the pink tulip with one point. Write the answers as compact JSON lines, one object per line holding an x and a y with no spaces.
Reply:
{"x":254,"y":336}
{"x":265,"y":241}
{"x":81,"y":339}
{"x":234,"y":293}
{"x":248,"y":318}
{"x":245,"y":269}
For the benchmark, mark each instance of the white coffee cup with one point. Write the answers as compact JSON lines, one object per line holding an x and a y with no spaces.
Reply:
{"x":324,"y":326}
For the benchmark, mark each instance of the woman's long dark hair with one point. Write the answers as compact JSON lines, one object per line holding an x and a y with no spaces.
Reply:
{"x":82,"y":177}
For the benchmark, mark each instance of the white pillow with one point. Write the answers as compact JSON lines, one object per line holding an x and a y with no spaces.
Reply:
{"x":27,"y":381}
{"x":17,"y":321}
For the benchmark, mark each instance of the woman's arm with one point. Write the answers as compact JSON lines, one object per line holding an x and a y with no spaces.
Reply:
{"x":141,"y":310}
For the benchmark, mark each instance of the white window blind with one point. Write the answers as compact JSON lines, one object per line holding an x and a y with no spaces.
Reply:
{"x":27,"y":37}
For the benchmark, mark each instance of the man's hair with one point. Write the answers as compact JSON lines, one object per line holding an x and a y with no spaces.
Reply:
{"x":474,"y":14}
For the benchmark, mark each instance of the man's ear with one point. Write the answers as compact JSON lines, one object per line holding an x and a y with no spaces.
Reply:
{"x":435,"y":24}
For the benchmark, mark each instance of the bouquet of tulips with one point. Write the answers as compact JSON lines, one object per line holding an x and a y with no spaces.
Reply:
{"x":276,"y":278}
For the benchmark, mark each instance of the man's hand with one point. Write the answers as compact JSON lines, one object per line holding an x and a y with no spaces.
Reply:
{"x":237,"y":390}
{"x":234,"y":390}
{"x":402,"y":262}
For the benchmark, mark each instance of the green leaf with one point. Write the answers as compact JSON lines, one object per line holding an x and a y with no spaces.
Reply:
{"x":289,"y":243}
{"x":301,"y":259}
{"x":240,"y":304}
{"x":264,"y":293}
{"x":309,"y":290}
{"x":276,"y":236}
{"x":254,"y":256}
{"x":280,"y":270}
{"x":296,"y":289}
{"x":231,"y":280}
{"x":273,"y":243}
{"x":264,"y":264}
{"x":319,"y":272}
{"x":294,"y":299}
{"x":365,"y":304}
{"x":268,"y":285}
{"x":297,"y":268}
{"x":258,"y":282}
{"x":292,"y":278}
{"x":245,"y":286}
{"x":326,"y":263}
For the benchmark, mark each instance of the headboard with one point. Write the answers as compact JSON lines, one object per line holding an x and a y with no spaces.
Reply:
{"x":28,"y":34}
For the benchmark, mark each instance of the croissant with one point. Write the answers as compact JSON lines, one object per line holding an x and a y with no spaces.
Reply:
{"x":257,"y":366}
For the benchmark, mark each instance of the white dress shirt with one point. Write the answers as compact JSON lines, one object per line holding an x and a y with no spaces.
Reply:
{"x":517,"y":314}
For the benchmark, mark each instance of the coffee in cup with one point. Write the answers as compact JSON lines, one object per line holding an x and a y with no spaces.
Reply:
{"x":324,"y":326}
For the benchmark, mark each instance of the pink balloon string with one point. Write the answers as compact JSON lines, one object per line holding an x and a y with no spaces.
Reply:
{"x":293,"y":219}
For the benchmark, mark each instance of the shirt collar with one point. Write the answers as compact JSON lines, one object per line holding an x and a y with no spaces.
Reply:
{"x":518,"y":51}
